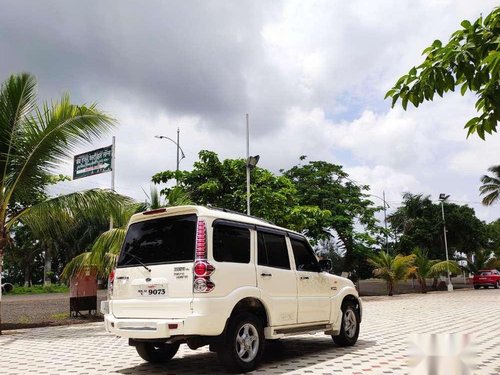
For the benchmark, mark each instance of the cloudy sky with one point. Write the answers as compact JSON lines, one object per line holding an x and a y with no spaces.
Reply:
{"x":311,"y":74}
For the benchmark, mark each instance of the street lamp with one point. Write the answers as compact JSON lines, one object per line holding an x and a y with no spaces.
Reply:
{"x":442,"y":198}
{"x":178,"y":148}
{"x":386,"y":205}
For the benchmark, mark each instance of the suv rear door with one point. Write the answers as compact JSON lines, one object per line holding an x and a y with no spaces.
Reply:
{"x":154,"y":274}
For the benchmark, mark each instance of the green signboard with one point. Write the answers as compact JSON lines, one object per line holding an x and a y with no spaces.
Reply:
{"x":92,"y":162}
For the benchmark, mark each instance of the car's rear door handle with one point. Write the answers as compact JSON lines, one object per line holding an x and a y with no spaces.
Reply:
{"x":304,"y":277}
{"x":266,"y":274}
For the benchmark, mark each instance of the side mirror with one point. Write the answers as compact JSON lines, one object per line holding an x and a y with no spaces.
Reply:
{"x":325,"y":265}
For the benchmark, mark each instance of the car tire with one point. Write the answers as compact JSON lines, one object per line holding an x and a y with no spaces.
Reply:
{"x":497,"y":284}
{"x":349,"y":328}
{"x":156,"y":352}
{"x":243,"y":343}
{"x":476,"y":286}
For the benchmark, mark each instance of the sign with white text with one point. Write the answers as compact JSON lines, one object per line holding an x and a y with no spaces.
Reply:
{"x":93,"y":162}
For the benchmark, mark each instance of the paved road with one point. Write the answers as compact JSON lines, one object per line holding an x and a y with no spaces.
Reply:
{"x":381,"y":349}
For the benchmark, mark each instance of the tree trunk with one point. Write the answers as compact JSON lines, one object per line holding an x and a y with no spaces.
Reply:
{"x":390,"y":287}
{"x":423,"y":284}
{"x":349,"y":256}
{"x":1,"y":264}
{"x":27,"y":275}
{"x":47,"y":269}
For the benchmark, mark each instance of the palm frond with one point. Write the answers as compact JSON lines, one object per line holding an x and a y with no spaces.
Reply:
{"x":178,"y":197}
{"x":54,"y":215}
{"x":443,"y":267}
{"x":49,"y":137}
{"x":17,"y":99}
{"x":491,"y":186}
{"x":75,"y":265}
{"x":105,"y":250}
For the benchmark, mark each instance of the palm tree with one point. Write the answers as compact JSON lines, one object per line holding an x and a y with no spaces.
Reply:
{"x":481,"y":259}
{"x":424,"y":268}
{"x":103,"y":254}
{"x":33,"y":141}
{"x":391,"y":269}
{"x":491,"y":186}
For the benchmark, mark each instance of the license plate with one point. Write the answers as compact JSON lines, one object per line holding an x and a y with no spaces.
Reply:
{"x":153,"y":290}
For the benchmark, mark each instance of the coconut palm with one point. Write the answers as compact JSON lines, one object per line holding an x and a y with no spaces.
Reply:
{"x":491,"y":186}
{"x":391,"y":269}
{"x":33,"y":141}
{"x":480,"y":260}
{"x":424,"y":268}
{"x":103,"y":254}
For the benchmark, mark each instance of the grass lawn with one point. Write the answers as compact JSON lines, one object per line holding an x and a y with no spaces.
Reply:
{"x":38,"y":289}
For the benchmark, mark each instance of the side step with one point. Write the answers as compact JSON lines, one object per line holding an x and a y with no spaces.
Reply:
{"x":276,"y":333}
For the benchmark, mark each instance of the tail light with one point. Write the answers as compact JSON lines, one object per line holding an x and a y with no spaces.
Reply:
{"x":202,"y":268}
{"x":111,"y":281}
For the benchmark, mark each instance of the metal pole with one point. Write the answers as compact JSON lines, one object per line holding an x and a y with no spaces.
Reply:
{"x":248,"y":167}
{"x":177,"y":169}
{"x":450,"y":286}
{"x":112,"y":176}
{"x":385,"y":224}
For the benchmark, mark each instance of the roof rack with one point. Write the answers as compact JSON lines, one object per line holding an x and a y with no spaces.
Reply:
{"x":238,"y":213}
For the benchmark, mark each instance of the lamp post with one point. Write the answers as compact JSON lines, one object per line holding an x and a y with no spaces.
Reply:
{"x":251,"y":163}
{"x":178,"y":149}
{"x":386,"y":205}
{"x":442,"y":198}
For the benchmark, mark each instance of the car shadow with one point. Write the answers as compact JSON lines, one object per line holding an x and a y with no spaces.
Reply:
{"x":280,"y":357}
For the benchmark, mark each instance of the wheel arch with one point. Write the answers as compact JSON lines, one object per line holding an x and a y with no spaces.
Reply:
{"x":252,"y":305}
{"x":350,"y":298}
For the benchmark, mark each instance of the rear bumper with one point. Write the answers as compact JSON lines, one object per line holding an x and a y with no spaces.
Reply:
{"x":204,"y":320}
{"x":484,"y":283}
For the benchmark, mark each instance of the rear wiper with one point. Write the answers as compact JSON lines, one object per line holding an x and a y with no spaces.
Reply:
{"x":137,"y":259}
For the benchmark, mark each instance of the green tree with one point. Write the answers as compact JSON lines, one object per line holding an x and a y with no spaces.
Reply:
{"x":424,"y":268}
{"x":22,"y":257}
{"x":419,"y":223}
{"x":33,"y":141}
{"x":391,"y":269}
{"x":223,"y":184}
{"x":470,"y":60}
{"x":327,"y":186}
{"x":491,"y":186}
{"x":493,"y":233}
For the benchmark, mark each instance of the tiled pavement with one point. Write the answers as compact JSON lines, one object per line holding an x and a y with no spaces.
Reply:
{"x":382,"y":347}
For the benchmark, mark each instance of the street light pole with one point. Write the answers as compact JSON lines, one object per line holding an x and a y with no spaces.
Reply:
{"x":178,"y":149}
{"x":248,"y":167}
{"x":442,"y":198}
{"x":385,"y":224}
{"x":251,"y":163}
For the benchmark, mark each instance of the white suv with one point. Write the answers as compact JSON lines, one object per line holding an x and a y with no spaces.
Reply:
{"x":206,"y":276}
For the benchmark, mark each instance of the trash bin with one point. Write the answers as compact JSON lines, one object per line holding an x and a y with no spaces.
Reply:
{"x":83,"y":292}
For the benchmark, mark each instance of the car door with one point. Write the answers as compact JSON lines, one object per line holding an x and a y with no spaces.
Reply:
{"x":314,"y":287}
{"x":275,"y":278}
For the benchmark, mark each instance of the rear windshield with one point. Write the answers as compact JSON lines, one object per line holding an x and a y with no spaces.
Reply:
{"x":165,"y":240}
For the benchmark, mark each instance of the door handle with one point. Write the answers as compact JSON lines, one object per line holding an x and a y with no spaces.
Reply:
{"x":266,"y":274}
{"x":304,"y":277}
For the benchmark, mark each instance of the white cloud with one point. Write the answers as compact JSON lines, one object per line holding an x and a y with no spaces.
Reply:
{"x":311,"y":74}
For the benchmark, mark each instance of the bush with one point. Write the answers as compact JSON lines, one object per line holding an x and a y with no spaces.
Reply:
{"x":39,"y":289}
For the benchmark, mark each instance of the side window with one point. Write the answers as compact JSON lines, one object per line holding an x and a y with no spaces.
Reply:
{"x":272,"y":251}
{"x":231,"y":244}
{"x":305,"y":260}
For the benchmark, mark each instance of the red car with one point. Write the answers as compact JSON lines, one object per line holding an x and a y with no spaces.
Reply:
{"x":486,"y":278}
